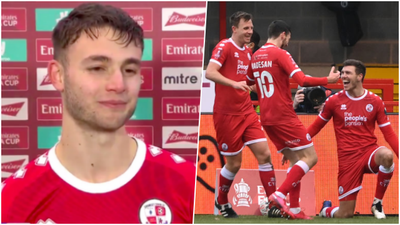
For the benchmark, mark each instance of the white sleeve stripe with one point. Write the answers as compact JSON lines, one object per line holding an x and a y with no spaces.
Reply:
{"x":249,"y":78}
{"x":294,"y":71}
{"x":215,"y":61}
{"x":323,"y":118}
{"x":384,"y":125}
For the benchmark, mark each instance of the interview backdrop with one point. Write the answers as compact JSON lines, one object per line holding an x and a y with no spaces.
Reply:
{"x":171,"y":69}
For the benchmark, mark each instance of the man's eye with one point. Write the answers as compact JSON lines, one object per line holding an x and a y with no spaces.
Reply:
{"x":96,"y":69}
{"x":131,"y":71}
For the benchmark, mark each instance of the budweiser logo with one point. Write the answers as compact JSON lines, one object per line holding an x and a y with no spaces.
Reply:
{"x":12,"y":109}
{"x":46,"y":80}
{"x":12,"y":167}
{"x":177,"y":18}
{"x":177,"y":136}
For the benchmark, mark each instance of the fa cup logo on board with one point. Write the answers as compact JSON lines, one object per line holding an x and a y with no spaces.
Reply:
{"x":242,"y":197}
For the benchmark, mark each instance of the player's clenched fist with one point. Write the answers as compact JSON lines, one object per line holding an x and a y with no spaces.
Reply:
{"x":241,"y":85}
{"x":333,"y":76}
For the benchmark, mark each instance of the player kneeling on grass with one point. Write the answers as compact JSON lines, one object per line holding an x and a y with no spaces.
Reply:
{"x":354,"y":111}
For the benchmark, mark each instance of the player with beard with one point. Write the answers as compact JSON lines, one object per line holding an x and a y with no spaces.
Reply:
{"x":271,"y":68}
{"x":236,"y":123}
{"x":96,"y":173}
{"x":355,"y":111}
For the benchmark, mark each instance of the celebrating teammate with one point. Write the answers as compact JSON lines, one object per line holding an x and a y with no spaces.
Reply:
{"x":235,"y":121}
{"x":271,"y":68}
{"x":96,"y":173}
{"x":355,"y":111}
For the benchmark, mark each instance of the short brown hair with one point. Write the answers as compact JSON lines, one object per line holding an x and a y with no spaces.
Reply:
{"x":237,"y":16}
{"x":360,"y":67}
{"x":88,"y":18}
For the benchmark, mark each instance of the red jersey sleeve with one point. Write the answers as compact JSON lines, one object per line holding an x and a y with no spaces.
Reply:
{"x":386,"y":128}
{"x":220,"y":53}
{"x":250,"y":76}
{"x":381,"y":117}
{"x":327,"y":112}
{"x":287,"y":63}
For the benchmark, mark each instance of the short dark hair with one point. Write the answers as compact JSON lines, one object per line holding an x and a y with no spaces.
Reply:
{"x":88,"y":18}
{"x":360,"y":67}
{"x":237,"y":16}
{"x":277,"y":27}
{"x":255,"y":38}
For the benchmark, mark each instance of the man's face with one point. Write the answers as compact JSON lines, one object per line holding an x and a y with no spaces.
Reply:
{"x":101,"y":81}
{"x":350,"y":79}
{"x":285,"y":41}
{"x":244,"y":31}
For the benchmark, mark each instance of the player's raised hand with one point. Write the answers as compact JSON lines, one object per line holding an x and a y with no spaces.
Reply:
{"x":242,"y":85}
{"x":333,"y":76}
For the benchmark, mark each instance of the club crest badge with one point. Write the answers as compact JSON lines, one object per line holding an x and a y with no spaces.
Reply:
{"x":155,"y":212}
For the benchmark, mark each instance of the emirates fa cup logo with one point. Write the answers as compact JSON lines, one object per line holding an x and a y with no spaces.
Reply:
{"x":242,"y":197}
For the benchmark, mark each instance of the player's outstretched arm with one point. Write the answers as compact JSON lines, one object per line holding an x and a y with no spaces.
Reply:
{"x":391,"y":138}
{"x":212,"y":73}
{"x":306,"y":81}
{"x":316,"y":126}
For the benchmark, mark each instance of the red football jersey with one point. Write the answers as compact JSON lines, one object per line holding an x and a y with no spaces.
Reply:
{"x":234,"y":62}
{"x":354,"y":121}
{"x":271,"y":68}
{"x":158,"y":187}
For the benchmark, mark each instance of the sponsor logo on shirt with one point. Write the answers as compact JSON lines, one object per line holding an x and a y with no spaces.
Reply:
{"x":183,"y":19}
{"x":14,"y":79}
{"x":242,"y":68}
{"x":13,"y":19}
{"x":180,"y":137}
{"x":14,"y":109}
{"x":350,"y":120}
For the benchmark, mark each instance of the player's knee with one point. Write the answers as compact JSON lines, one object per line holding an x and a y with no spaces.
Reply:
{"x":343,"y":214}
{"x":386,"y":158}
{"x":264,"y":157}
{"x":234,"y":166}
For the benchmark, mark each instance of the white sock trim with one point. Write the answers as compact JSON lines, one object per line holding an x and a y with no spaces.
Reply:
{"x":296,"y":210}
{"x":265,"y":167}
{"x":280,"y":194}
{"x":227,"y":174}
{"x":303,"y":165}
{"x":334,"y":210}
{"x":386,"y":170}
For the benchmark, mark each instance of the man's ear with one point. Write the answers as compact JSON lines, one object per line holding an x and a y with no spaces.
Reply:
{"x":251,"y":45}
{"x":55,"y":71}
{"x":234,"y":29}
